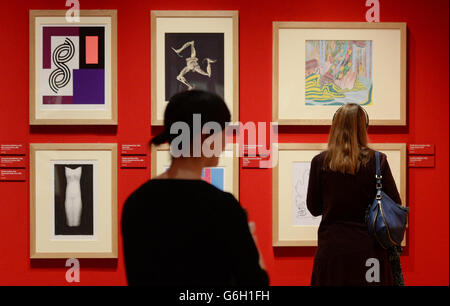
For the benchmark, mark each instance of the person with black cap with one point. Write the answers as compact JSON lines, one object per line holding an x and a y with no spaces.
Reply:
{"x":180,"y":230}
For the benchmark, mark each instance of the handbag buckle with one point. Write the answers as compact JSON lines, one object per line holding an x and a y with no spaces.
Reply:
{"x":378,"y":177}
{"x":379,"y":185}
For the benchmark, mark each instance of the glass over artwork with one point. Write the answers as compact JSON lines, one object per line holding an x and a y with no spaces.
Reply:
{"x":74,"y":199}
{"x":73,"y":66}
{"x":194,"y":61}
{"x":338,"y":72}
{"x":214,"y":176}
{"x":300,"y":213}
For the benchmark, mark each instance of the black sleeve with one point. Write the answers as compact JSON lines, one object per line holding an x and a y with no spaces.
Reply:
{"x":239,"y":244}
{"x":134,"y":261}
{"x":314,"y":196}
{"x":388,"y":182}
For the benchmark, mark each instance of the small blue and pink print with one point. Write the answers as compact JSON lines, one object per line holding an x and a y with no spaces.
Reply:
{"x":214,"y":176}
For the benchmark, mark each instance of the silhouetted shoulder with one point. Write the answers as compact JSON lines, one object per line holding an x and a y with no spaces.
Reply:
{"x":318,"y":160}
{"x":383,"y":158}
{"x":384,"y":163}
{"x":231,"y":204}
{"x":320,"y":156}
{"x":192,"y":189}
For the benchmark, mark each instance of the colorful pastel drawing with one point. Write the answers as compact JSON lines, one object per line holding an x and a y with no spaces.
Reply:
{"x":338,"y":72}
{"x":73,"y":65}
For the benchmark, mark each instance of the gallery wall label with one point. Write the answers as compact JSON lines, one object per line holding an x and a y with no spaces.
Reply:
{"x":133,"y":149}
{"x":12,"y":162}
{"x":254,"y":150}
{"x":421,"y":161}
{"x":255,"y":162}
{"x":12,"y":149}
{"x":12,"y":175}
{"x":421,"y":149}
{"x":134,"y":162}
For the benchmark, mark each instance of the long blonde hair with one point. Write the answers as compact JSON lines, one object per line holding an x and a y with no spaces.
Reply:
{"x":347,"y":143}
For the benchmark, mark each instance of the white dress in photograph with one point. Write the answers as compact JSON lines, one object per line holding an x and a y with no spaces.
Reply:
{"x":73,"y":204}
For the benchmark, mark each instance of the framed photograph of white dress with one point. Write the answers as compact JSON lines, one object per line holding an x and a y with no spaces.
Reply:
{"x":73,"y":199}
{"x":194,"y":50}
{"x":225,"y":176}
{"x":319,"y":66}
{"x":73,"y":68}
{"x":293,"y":225}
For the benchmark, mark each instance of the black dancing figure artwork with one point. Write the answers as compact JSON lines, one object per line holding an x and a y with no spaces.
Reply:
{"x":194,"y":61}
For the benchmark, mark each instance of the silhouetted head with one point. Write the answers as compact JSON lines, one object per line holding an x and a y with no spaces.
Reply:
{"x":186,"y":115}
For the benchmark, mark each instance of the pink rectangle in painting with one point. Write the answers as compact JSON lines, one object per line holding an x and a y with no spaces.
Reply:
{"x":206,"y":175}
{"x":91,"y":49}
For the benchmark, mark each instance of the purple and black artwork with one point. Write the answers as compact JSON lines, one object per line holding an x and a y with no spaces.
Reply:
{"x":73,"y":65}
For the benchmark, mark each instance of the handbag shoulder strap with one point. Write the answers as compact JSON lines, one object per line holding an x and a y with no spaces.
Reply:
{"x":378,"y":174}
{"x":377,"y":158}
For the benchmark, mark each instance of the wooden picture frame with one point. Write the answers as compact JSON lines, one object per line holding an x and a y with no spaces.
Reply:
{"x":284,"y":232}
{"x":83,"y":90}
{"x":209,"y":30}
{"x":310,"y":82}
{"x":80,"y":225}
{"x":229,"y":162}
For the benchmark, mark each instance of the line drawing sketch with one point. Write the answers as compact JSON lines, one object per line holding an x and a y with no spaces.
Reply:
{"x":73,"y":204}
{"x":192,"y":64}
{"x":300,"y":178}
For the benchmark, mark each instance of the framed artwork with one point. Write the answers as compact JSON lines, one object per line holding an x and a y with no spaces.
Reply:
{"x":194,"y":50}
{"x":73,"y":68}
{"x":319,"y":66}
{"x":225,"y":176}
{"x":73,"y":200}
{"x":293,"y":225}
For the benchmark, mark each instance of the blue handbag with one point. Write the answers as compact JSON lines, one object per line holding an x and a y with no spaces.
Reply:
{"x":386,"y":219}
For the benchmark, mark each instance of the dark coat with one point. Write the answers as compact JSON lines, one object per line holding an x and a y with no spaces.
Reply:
{"x":188,"y":233}
{"x":344,"y":243}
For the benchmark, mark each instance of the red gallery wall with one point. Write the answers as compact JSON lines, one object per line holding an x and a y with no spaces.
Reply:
{"x":426,"y":259}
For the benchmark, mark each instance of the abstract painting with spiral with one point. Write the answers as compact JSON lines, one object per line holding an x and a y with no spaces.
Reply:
{"x":73,"y":65}
{"x":338,"y":72}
